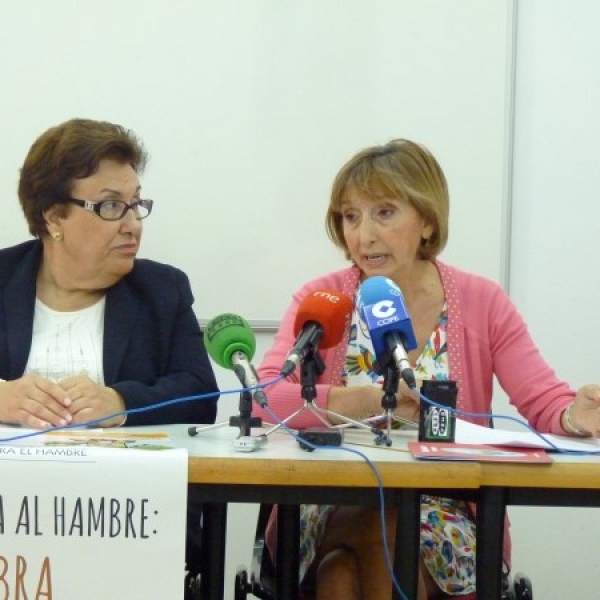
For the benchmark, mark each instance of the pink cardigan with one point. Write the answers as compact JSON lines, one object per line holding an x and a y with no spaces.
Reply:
{"x":486,"y":337}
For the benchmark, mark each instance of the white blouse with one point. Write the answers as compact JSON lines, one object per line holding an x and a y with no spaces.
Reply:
{"x":67,"y":343}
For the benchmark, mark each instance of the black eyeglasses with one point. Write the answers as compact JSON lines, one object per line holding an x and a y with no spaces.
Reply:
{"x":113,"y":210}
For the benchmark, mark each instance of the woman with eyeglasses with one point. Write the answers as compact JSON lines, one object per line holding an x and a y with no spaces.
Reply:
{"x":88,"y":331}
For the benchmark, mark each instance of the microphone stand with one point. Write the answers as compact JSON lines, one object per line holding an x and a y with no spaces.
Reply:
{"x":391,"y":379}
{"x":245,"y":421}
{"x":245,"y":441}
{"x":312,"y":366}
{"x":388,"y":367}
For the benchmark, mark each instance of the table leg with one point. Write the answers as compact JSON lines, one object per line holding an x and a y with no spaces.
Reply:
{"x":288,"y":544}
{"x":408,"y":542}
{"x":214,"y":537}
{"x":491,"y":512}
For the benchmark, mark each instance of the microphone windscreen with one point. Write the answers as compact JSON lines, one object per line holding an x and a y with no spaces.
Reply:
{"x":329,"y":309}
{"x":381,"y":305}
{"x":226,"y":334}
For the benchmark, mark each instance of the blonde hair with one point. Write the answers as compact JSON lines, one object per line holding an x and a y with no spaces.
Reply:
{"x":398,"y":169}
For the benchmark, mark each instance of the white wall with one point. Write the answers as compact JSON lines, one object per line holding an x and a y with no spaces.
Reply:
{"x":554,"y":257}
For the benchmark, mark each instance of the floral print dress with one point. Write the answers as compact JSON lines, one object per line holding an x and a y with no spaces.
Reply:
{"x":447,"y":526}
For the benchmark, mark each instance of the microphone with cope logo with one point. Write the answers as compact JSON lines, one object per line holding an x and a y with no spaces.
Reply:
{"x":381,"y":306}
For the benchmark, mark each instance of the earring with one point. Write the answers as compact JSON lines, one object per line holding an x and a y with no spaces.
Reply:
{"x":57,"y":236}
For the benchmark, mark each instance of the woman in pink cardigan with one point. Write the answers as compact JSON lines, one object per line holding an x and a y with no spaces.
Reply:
{"x":389,"y":213}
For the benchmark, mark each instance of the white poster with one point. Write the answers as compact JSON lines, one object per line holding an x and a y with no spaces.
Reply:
{"x":91,"y":516}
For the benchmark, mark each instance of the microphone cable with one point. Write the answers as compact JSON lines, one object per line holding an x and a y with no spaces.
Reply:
{"x":380,"y":488}
{"x":521,"y":422}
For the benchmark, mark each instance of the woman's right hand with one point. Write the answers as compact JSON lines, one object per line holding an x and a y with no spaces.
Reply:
{"x":35,"y":402}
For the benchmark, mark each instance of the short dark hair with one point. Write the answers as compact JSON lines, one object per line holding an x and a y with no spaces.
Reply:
{"x":69,"y":151}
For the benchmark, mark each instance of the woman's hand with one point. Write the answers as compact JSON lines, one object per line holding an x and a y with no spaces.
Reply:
{"x":407,"y":402}
{"x":91,"y":401}
{"x":362,"y":401}
{"x":584,"y":413}
{"x":34,"y":401}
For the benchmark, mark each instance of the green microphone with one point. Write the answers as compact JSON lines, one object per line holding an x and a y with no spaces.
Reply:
{"x":231,"y":344}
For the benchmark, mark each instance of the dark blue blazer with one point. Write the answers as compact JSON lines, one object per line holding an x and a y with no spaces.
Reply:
{"x":153,"y":347}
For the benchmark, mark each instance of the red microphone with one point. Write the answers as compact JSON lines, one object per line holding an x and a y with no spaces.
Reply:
{"x":321,"y":319}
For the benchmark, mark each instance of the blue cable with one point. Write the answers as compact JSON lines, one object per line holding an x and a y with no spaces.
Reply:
{"x":380,"y":488}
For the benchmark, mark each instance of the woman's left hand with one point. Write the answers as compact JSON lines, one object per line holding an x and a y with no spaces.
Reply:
{"x":91,"y":401}
{"x":585,"y":411}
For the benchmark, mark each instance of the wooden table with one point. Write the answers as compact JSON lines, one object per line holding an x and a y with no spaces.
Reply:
{"x":282,"y":473}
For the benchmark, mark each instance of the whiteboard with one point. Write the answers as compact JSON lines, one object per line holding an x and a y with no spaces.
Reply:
{"x":248,"y":109}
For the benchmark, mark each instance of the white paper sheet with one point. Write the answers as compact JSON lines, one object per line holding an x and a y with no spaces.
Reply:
{"x":468,"y":433}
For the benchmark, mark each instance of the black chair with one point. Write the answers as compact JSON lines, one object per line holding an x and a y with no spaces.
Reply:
{"x":260,"y":581}
{"x":193,"y":551}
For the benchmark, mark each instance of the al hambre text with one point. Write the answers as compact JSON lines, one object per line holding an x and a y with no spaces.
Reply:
{"x":67,"y":517}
